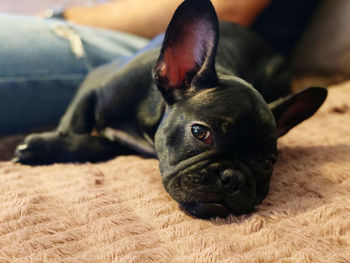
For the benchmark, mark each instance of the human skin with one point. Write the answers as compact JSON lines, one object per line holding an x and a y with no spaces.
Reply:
{"x":148,"y":18}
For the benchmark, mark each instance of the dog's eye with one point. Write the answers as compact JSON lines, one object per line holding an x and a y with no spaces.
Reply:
{"x":202,"y":133}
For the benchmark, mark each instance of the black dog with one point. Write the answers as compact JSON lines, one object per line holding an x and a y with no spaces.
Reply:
{"x":209,"y":113}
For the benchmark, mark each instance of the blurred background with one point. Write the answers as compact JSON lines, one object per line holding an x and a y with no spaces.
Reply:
{"x":33,"y":7}
{"x":322,"y":56}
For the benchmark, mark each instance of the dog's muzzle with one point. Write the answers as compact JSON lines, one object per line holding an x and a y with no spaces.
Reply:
{"x":213,"y":191}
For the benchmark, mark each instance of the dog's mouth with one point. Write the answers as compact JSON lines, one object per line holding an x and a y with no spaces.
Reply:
{"x":204,"y":191}
{"x":206,"y":210}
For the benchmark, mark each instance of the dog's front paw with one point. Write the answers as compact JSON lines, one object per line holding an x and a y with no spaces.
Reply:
{"x":36,"y":149}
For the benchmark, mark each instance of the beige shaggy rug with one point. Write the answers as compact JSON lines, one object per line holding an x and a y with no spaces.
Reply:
{"x":118,"y":211}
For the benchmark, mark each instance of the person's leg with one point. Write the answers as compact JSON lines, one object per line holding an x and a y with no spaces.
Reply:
{"x":44,"y":61}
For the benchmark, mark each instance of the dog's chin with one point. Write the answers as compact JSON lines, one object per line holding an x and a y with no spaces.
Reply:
{"x":206,"y":210}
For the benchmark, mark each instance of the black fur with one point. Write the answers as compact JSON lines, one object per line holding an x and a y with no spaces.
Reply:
{"x":231,"y":87}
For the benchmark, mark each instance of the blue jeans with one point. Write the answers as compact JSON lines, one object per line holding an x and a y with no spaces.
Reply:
{"x":42,"y":63}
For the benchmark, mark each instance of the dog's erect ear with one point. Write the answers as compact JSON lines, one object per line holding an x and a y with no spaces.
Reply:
{"x":188,"y":53}
{"x":292,"y":110}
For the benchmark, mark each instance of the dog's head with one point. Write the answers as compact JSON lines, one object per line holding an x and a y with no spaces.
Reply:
{"x":217,"y":141}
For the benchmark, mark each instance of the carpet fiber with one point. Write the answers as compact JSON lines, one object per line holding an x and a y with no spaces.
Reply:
{"x":118,"y":211}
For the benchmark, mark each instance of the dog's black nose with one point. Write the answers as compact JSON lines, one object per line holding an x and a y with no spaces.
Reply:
{"x":232,"y":177}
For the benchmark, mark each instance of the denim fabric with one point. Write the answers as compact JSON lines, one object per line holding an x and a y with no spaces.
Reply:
{"x":40,"y":72}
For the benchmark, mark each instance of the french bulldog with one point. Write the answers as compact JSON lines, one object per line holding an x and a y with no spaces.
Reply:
{"x":210,"y":110}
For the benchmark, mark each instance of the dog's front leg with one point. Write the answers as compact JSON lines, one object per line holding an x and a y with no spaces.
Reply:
{"x":72,"y":140}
